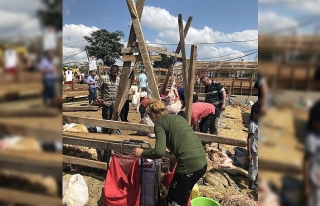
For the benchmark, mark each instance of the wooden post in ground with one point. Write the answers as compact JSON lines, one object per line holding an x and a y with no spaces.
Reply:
{"x":143,"y":49}
{"x":125,"y":77}
{"x":72,"y":86}
{"x":170,"y":70}
{"x":191,"y":81}
{"x":183,"y":52}
{"x":251,"y":83}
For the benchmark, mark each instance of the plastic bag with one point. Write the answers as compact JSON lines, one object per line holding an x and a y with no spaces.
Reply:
{"x":76,"y":193}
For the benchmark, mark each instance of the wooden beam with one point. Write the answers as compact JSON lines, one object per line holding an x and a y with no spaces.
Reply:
{"x":281,"y":167}
{"x":146,"y":128}
{"x":170,"y":70}
{"x":108,"y":124}
{"x":29,"y":112}
{"x":137,"y":50}
{"x":21,"y":197}
{"x":27,"y":131}
{"x":183,"y":51}
{"x":191,"y":81}
{"x":36,"y":162}
{"x":126,"y":77}
{"x":139,"y":58}
{"x":116,"y":146}
{"x":84,"y":162}
{"x":143,"y":49}
{"x":80,"y":108}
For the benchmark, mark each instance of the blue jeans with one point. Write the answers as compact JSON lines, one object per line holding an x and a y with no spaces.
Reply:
{"x":92,"y":94}
{"x":142,"y":111}
{"x":107,"y":114}
{"x":49,"y":91}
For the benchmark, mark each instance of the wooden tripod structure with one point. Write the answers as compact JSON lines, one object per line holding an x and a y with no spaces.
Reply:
{"x":136,"y":43}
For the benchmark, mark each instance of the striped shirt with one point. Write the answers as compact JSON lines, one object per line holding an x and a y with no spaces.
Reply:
{"x":201,"y":110}
{"x":109,"y":89}
{"x":214,"y":93}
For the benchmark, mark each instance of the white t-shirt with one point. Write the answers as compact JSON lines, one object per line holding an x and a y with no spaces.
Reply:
{"x":68,"y":76}
{"x":313,"y":147}
{"x":11,"y":58}
{"x":253,"y":128}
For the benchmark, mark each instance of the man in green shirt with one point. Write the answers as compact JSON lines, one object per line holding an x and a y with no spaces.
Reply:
{"x":174,"y":132}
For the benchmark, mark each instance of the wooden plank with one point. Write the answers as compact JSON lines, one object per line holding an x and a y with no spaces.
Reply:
{"x":116,"y":146}
{"x":20,"y":197}
{"x":170,"y":70}
{"x":84,"y":162}
{"x":143,"y":49}
{"x":183,"y":51}
{"x":139,"y":58}
{"x":27,"y":131}
{"x":282,"y":167}
{"x":146,"y":128}
{"x":80,"y":108}
{"x":137,"y":50}
{"x":29,"y":112}
{"x":36,"y":162}
{"x":191,"y":82}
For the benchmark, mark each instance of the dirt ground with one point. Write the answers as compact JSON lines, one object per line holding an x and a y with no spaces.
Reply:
{"x":233,"y":124}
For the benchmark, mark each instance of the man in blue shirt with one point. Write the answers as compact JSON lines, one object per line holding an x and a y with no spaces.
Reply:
{"x":49,"y":75}
{"x":143,"y":79}
{"x":92,"y":87}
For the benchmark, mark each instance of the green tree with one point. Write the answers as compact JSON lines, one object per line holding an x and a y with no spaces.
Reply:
{"x":164,"y":63}
{"x":105,"y":45}
{"x":51,"y":15}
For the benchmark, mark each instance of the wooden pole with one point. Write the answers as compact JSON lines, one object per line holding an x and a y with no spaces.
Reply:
{"x":143,"y":49}
{"x":170,"y":70}
{"x":125,"y":77}
{"x":191,"y":80}
{"x":183,"y":52}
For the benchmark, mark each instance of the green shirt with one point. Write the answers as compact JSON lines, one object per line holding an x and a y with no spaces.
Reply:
{"x":174,"y":132}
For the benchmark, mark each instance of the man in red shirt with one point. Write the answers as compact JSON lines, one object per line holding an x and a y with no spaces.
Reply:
{"x":204,"y":112}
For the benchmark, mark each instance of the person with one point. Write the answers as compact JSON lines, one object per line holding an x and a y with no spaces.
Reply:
{"x":252,"y":146}
{"x":204,"y":112}
{"x":181,"y":96}
{"x":92,"y":87}
{"x":261,"y":85}
{"x":48,"y":71}
{"x":143,"y":80}
{"x":174,"y":132}
{"x":311,"y":163}
{"x":143,"y":104}
{"x":109,"y":86}
{"x":216,"y":95}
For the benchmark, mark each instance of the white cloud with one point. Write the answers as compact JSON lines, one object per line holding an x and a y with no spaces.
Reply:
{"x":271,"y":22}
{"x":19,"y":20}
{"x":306,"y":7}
{"x":168,"y":32}
{"x":73,"y":41}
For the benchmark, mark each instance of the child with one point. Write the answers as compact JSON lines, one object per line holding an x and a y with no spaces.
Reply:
{"x":311,"y":165}
{"x":252,"y":146}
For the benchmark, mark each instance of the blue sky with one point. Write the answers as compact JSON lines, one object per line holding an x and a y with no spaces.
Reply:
{"x":213,"y":21}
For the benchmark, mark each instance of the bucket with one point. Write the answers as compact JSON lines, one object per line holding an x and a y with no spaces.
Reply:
{"x":204,"y":201}
{"x":241,"y":157}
